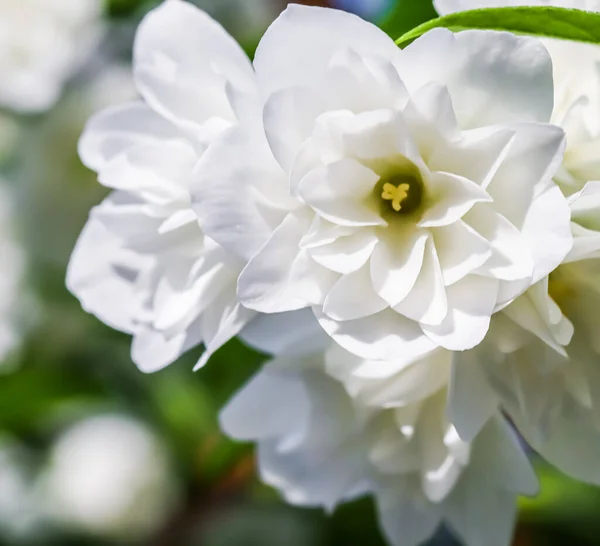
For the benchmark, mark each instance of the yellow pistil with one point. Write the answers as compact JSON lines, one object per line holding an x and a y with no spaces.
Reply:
{"x":395,"y":194}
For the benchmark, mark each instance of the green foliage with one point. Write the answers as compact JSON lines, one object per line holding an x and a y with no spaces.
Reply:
{"x":405,"y":15}
{"x":562,"y":23}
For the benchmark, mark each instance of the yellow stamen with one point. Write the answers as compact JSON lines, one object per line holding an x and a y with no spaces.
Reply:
{"x":395,"y":194}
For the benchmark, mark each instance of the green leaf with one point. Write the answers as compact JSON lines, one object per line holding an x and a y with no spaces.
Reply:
{"x":550,"y":22}
{"x":406,"y":14}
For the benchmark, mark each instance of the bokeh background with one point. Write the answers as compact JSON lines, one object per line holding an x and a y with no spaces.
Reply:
{"x":92,"y":451}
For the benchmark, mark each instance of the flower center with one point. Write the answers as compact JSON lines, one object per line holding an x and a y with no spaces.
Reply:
{"x":401,"y":193}
{"x":395,"y":194}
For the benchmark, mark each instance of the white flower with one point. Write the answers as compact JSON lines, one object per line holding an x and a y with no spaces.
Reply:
{"x":143,"y":264}
{"x":109,"y":475}
{"x":415,"y":186}
{"x":333,"y":440}
{"x":14,"y":297}
{"x":20,"y":513}
{"x":41,"y":43}
{"x":577,"y":91}
{"x":540,"y":360}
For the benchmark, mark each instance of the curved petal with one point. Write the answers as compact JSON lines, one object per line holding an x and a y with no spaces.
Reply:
{"x":340,"y":193}
{"x":460,"y":250}
{"x":471,"y":400}
{"x":396,"y":263}
{"x":281,"y":276}
{"x":471,"y":303}
{"x":426,"y":303}
{"x":347,"y":253}
{"x":152,"y":350}
{"x":293,"y":333}
{"x":238,"y":192}
{"x":229,"y":320}
{"x":405,"y":522}
{"x":115,"y":130}
{"x":452,"y":197}
{"x":183,"y":60}
{"x":383,"y":336}
{"x":103,"y":275}
{"x":352,"y":297}
{"x":493,"y":77}
{"x":298,"y":47}
{"x":249,"y":414}
{"x":288,"y":117}
{"x":547,"y":230}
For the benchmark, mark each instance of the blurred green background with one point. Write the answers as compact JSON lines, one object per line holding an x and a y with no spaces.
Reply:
{"x":143,"y":455}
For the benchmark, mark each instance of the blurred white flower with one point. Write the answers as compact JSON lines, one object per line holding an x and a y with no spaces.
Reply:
{"x":416,"y":184}
{"x":333,"y":440}
{"x":142,"y":263}
{"x":42,"y":42}
{"x":15,"y":302}
{"x":109,"y":475}
{"x":20,"y":515}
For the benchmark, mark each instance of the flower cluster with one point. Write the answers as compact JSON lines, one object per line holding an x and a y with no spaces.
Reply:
{"x":406,"y":232}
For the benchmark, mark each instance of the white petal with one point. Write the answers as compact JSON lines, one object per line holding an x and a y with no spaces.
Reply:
{"x":471,"y":302}
{"x":346,"y":254}
{"x":383,"y":336}
{"x":471,"y":400}
{"x":230,"y":321}
{"x":249,"y":414}
{"x":533,"y":311}
{"x":452,"y":197}
{"x":511,"y":258}
{"x":499,"y":447}
{"x":298,"y":47}
{"x":116,"y":129}
{"x":476,"y":155}
{"x":396,"y":263}
{"x":460,"y":250}
{"x":493,"y":77}
{"x":533,"y":159}
{"x":102,"y":275}
{"x":152,"y":350}
{"x":282,"y":277}
{"x":340,"y":192}
{"x":573,"y":445}
{"x":239,"y":192}
{"x":352,"y":297}
{"x":426,"y":303}
{"x":408,"y":385}
{"x":547,"y":231}
{"x":183,"y":60}
{"x":289,"y":116}
{"x":405,"y":522}
{"x":292,"y":333}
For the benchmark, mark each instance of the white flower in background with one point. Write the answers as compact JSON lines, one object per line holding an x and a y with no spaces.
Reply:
{"x":143,"y":264}
{"x":20,"y":514}
{"x":42,"y":42}
{"x":337,"y":436}
{"x":416,"y":184}
{"x":577,"y":91}
{"x":15,"y":303}
{"x":109,"y":475}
